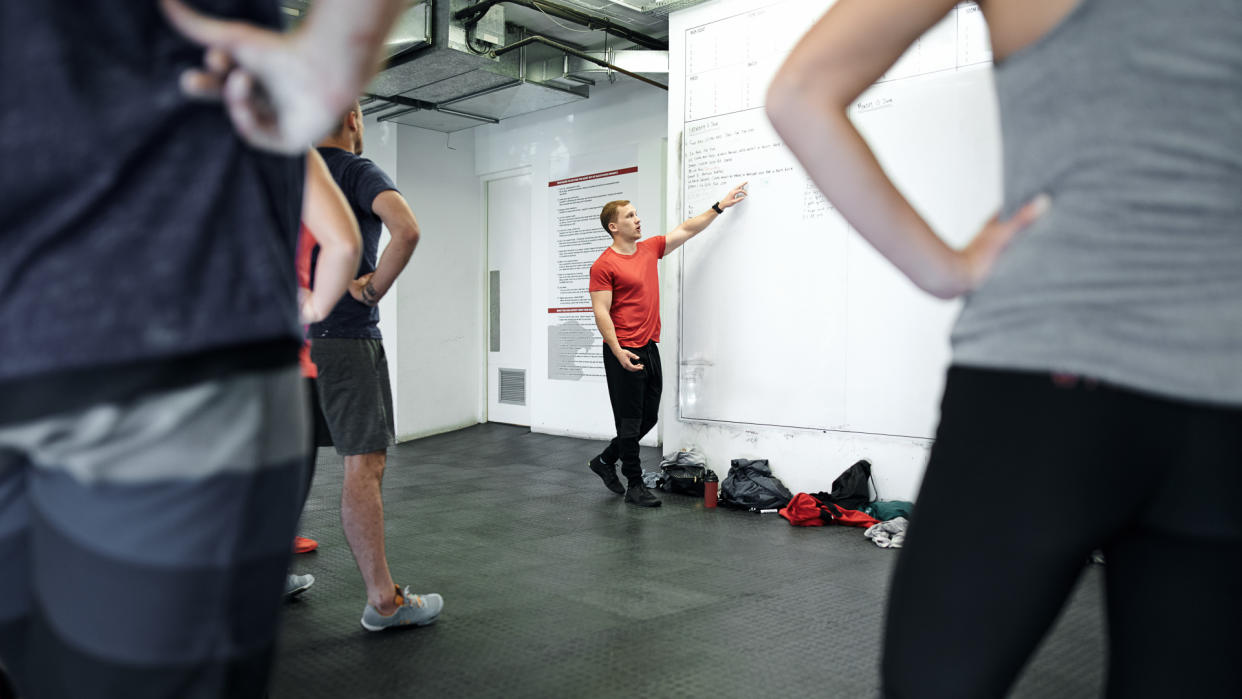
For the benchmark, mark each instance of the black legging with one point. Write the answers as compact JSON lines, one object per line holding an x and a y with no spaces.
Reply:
{"x":319,"y":435}
{"x":635,"y":398}
{"x":1028,"y":475}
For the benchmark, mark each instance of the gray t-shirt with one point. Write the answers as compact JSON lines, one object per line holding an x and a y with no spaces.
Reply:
{"x":1129,"y":114}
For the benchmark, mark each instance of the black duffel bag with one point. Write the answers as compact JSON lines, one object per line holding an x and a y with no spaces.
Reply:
{"x":684,"y":473}
{"x":750,"y":485}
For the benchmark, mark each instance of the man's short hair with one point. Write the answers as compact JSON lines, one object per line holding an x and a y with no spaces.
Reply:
{"x":609,"y":214}
{"x":355,"y":108}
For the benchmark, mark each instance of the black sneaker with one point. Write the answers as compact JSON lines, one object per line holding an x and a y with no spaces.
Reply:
{"x":637,"y":494}
{"x":608,"y":474}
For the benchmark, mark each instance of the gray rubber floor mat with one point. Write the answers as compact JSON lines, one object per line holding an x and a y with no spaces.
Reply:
{"x":554,"y":587}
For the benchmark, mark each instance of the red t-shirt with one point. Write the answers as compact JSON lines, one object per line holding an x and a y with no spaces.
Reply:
{"x":635,"y":285}
{"x":306,"y":243}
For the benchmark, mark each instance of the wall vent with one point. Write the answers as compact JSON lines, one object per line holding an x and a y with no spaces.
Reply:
{"x":512,"y":386}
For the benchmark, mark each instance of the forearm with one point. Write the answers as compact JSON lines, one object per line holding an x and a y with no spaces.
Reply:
{"x":393,"y":260}
{"x":334,"y":270}
{"x":687,"y":230}
{"x":608,"y":331}
{"x":327,"y":215}
{"x":695,"y":225}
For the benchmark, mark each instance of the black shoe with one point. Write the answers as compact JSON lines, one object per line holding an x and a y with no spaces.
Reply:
{"x":608,"y":474}
{"x":637,"y":494}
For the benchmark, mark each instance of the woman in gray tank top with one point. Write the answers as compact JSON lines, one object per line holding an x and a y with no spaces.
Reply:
{"x":1095,"y":397}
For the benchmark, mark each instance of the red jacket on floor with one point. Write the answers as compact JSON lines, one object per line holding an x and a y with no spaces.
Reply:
{"x":805,"y":511}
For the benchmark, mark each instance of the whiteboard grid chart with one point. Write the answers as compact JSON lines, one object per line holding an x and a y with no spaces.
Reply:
{"x":787,"y":317}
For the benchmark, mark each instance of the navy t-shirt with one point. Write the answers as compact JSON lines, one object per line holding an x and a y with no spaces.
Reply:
{"x":136,"y":228}
{"x":362,"y":181}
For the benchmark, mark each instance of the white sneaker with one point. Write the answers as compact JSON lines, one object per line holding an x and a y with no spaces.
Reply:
{"x":297,"y":584}
{"x":415,"y":610}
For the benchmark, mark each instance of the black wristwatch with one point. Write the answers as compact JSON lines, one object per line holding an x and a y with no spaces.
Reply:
{"x":717,"y":209}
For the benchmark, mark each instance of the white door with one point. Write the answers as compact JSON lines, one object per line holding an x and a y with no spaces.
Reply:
{"x":509,"y":297}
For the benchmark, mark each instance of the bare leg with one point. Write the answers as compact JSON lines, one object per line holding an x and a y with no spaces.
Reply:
{"x":362,"y":516}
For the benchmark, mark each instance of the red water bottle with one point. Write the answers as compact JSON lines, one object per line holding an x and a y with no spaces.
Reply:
{"x":710,"y":485}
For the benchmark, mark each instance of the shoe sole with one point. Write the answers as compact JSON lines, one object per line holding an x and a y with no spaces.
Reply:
{"x":657,"y":503}
{"x":610,"y":480}
{"x":298,"y":590}
{"x":386,"y":627}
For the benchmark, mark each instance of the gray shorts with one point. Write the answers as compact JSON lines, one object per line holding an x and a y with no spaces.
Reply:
{"x":355,"y":394}
{"x":192,"y":488}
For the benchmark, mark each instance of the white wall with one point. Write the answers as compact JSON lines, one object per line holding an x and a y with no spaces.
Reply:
{"x":624,"y":114}
{"x":432,"y":320}
{"x":441,"y":302}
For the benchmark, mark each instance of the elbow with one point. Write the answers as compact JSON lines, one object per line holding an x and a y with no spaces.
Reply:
{"x":783,"y":101}
{"x":345,"y":243}
{"x":351,"y":242}
{"x":797,"y":93}
{"x":411,"y":234}
{"x":352,"y":247}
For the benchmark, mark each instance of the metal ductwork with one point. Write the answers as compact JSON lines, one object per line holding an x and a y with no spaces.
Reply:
{"x":473,"y":13}
{"x":445,"y":86}
{"x":456,"y":64}
{"x":575,"y":67}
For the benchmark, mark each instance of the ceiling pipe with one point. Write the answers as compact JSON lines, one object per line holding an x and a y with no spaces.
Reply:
{"x":471,"y":14}
{"x":423,"y":104}
{"x":574,"y":52}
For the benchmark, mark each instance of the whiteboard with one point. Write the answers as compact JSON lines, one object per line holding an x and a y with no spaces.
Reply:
{"x":787,"y":317}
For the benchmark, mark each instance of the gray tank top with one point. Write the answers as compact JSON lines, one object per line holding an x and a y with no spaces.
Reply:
{"x":1129,"y":114}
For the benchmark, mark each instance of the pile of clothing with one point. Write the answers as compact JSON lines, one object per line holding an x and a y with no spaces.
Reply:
{"x":850,"y":504}
{"x":890,"y":534}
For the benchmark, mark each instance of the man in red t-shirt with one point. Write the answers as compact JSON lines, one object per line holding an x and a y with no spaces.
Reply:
{"x":625,"y":295}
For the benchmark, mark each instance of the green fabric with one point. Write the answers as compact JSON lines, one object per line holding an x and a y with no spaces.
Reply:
{"x":885,"y":510}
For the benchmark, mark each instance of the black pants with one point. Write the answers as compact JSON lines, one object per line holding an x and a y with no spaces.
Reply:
{"x":635,"y":397}
{"x":318,"y":433}
{"x":1029,"y":475}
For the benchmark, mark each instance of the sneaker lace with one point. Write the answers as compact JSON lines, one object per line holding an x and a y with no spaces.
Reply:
{"x":412,"y":599}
